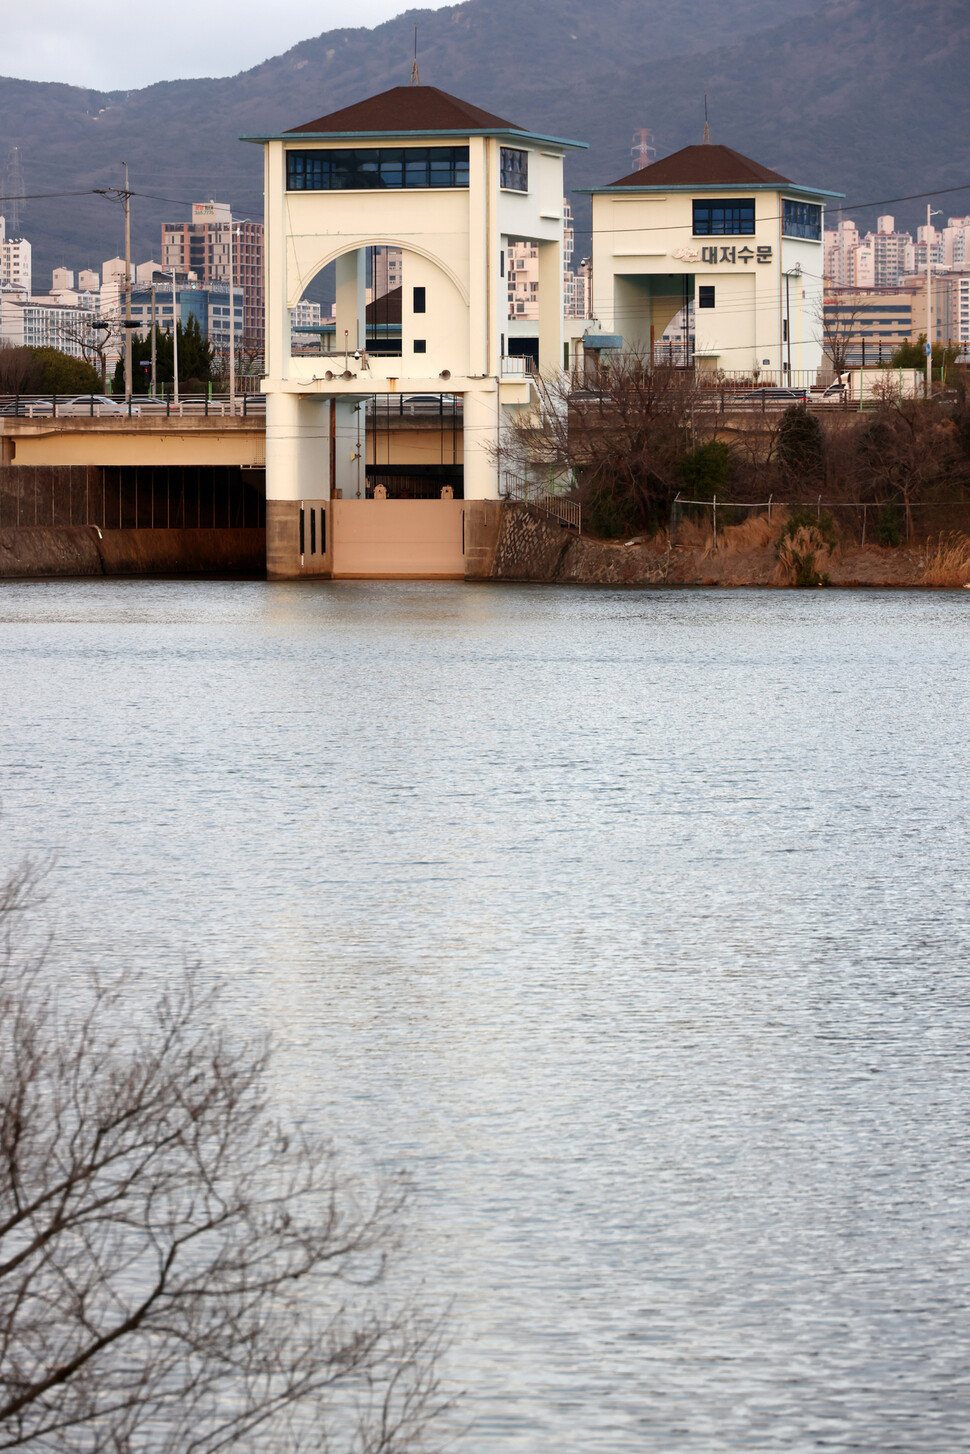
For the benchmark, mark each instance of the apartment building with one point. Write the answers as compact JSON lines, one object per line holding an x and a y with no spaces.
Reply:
{"x":956,"y":242}
{"x":27,"y":322}
{"x":208,"y":306}
{"x":15,"y":264}
{"x":387,"y":265}
{"x":889,"y":253}
{"x":929,"y":241}
{"x":959,"y":301}
{"x":522,"y":276}
{"x":879,"y":260}
{"x":886,"y":257}
{"x":305,"y":316}
{"x":202,"y":247}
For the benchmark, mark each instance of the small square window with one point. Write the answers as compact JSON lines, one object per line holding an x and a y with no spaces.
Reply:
{"x":705,"y":297}
{"x":421,"y":345}
{"x":419,"y":302}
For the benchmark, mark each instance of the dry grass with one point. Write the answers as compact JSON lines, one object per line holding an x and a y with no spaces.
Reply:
{"x":949,"y":563}
{"x":755,"y":533}
{"x":803,"y":558}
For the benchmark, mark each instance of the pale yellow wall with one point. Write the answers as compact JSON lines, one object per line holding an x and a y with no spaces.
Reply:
{"x":325,"y":224}
{"x":735,"y":300}
{"x":413,"y":446}
{"x":536,"y":214}
{"x":172,"y":448}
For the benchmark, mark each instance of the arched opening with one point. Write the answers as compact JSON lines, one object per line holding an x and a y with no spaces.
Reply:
{"x":384,"y":301}
{"x":314,"y":331}
{"x":385,"y":312}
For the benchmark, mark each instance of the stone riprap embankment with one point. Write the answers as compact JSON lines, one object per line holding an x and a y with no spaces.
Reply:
{"x":532,"y":546}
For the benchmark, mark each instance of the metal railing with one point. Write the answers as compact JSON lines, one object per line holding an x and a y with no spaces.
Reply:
{"x":68,"y":406}
{"x":518,"y":365}
{"x":541,"y":497}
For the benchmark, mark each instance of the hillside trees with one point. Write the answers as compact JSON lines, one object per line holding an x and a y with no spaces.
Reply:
{"x":178,"y":1271}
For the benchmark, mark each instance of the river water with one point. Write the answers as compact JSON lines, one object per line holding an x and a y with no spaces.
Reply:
{"x":634,"y":925}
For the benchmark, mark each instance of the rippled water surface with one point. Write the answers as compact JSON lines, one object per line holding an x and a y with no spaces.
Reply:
{"x":634,"y":924}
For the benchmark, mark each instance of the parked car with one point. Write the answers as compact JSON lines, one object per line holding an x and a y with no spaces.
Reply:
{"x":96,"y":404}
{"x":416,"y":403}
{"x":431,"y":403}
{"x":29,"y":406}
{"x":771,"y":396}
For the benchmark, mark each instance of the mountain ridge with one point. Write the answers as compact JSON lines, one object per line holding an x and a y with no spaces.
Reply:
{"x":827,"y":94}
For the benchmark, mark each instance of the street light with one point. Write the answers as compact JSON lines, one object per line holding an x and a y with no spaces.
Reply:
{"x":232,"y":311}
{"x":790,"y":273}
{"x":232,"y":329}
{"x":929,"y":301}
{"x":176,"y":319}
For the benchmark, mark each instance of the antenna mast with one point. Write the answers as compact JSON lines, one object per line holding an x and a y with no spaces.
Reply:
{"x":707,"y":129}
{"x":415,"y":73}
{"x":12,"y":198}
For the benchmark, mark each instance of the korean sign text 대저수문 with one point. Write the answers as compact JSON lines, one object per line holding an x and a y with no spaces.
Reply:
{"x":715,"y":256}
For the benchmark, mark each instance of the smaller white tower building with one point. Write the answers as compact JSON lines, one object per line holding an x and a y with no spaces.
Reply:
{"x":711,"y":228}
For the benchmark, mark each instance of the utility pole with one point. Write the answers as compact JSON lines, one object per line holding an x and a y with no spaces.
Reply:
{"x":929,"y":303}
{"x":154,"y":380}
{"x":232,"y":329}
{"x":127,"y":288}
{"x":175,"y":340}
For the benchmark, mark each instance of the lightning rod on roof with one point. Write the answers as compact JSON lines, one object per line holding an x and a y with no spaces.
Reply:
{"x":707,"y":129}
{"x":415,"y":73}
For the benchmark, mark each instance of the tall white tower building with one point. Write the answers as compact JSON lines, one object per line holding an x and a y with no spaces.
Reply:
{"x":451,"y":187}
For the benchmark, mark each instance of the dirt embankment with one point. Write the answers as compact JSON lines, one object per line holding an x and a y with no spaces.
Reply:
{"x":534,"y":547}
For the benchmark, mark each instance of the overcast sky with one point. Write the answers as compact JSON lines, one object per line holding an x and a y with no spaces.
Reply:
{"x":114,"y":45}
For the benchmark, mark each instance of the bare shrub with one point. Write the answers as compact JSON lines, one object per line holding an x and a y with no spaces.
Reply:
{"x":908,"y":452}
{"x":617,"y":435}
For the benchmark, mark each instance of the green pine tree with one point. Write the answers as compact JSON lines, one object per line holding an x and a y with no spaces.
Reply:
{"x":195,"y":360}
{"x":800,"y":447}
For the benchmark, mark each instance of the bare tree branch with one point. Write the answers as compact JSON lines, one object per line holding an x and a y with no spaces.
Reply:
{"x":178,"y":1271}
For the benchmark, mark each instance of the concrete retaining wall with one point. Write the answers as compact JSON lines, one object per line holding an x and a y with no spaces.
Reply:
{"x":44,"y":553}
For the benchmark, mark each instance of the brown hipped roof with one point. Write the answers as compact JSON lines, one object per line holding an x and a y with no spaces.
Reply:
{"x":386,"y":308}
{"x":409,"y":108}
{"x":705,"y":165}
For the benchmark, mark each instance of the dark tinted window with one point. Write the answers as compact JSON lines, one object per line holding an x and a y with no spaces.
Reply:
{"x":801,"y":219}
{"x":724,"y":218}
{"x":420,"y":345}
{"x":418,"y":305}
{"x":363,"y":169}
{"x":705,"y":297}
